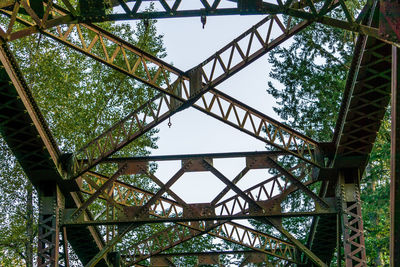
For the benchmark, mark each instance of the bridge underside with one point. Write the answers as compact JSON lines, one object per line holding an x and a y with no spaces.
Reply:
{"x":70,"y":189}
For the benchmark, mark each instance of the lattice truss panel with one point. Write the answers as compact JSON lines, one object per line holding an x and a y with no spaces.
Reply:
{"x":273,"y":249}
{"x":294,"y":164}
{"x":180,"y":89}
{"x":119,"y":203}
{"x":216,"y":258}
{"x":273,"y":189}
{"x":47,"y":15}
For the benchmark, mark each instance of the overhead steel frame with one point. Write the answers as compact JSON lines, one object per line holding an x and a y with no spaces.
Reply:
{"x":337,"y":167}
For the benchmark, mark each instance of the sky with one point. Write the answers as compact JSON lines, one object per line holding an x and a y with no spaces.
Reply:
{"x":187,"y":44}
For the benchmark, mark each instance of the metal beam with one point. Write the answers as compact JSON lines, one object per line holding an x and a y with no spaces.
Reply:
{"x":16,"y":76}
{"x":270,"y":215}
{"x":232,"y":232}
{"x":348,"y":192}
{"x":290,"y":8}
{"x":212,"y":257}
{"x":254,"y":123}
{"x":324,"y":231}
{"x":98,"y":192}
{"x":357,"y":132}
{"x":365,"y":100}
{"x":253,"y":204}
{"x":46,"y":173}
{"x":179,"y":93}
{"x":298,"y":183}
{"x":178,"y":88}
{"x":395,"y":162}
{"x":247,"y":154}
{"x":191,"y":235}
{"x":200,"y":253}
{"x":270,"y":192}
{"x":51,"y":205}
{"x":37,"y":22}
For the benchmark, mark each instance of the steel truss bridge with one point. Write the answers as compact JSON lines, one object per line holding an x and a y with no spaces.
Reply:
{"x":69,"y":187}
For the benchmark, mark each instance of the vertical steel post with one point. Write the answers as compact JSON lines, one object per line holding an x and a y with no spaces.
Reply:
{"x":65,"y":246}
{"x":348,"y":193}
{"x":114,"y":258}
{"x":389,"y":20}
{"x":51,"y":203}
{"x":395,"y":165}
{"x":338,"y":240}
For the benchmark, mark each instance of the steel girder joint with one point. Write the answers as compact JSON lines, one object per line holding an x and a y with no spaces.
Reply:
{"x":389,"y":20}
{"x":246,"y":6}
{"x":348,"y":197}
{"x":51,"y":205}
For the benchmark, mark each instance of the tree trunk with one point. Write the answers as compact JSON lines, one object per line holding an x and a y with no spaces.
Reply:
{"x":29,"y":225}
{"x":377,"y":260}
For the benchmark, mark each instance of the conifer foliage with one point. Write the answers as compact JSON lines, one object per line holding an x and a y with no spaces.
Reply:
{"x":310,"y":77}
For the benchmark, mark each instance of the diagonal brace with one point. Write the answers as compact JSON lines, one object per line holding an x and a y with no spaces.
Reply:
{"x":253,"y":203}
{"x":98,"y":192}
{"x":298,"y":183}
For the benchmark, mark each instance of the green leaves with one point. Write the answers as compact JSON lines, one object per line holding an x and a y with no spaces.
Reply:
{"x":310,"y":76}
{"x":311,"y":73}
{"x":80,"y":98}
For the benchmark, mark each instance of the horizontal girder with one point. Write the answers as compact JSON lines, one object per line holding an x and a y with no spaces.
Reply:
{"x":44,"y":15}
{"x":272,"y":190}
{"x":26,"y":133}
{"x":363,"y":108}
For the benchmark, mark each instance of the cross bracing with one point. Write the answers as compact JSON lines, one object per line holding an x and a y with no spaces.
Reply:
{"x":71,"y":186}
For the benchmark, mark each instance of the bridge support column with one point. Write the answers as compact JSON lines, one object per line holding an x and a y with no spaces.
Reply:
{"x":395,"y":163}
{"x":51,"y":203}
{"x":348,"y":194}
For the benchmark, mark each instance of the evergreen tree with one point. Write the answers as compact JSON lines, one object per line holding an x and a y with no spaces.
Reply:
{"x":311,"y":75}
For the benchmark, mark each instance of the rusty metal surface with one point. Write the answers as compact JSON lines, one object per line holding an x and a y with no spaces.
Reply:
{"x":365,"y":101}
{"x":138,"y":121}
{"x":389,"y":24}
{"x":395,"y":163}
{"x":232,"y":232}
{"x":160,"y":107}
{"x":165,"y":208}
{"x":24,"y":138}
{"x":45,"y":15}
{"x":273,"y":189}
{"x":351,"y":218}
{"x":48,"y":227}
{"x":367,"y":106}
{"x":175,"y":91}
{"x":11,"y":66}
{"x":211,"y":257}
{"x":12,"y":30}
{"x":363,"y":106}
{"x":366,"y":98}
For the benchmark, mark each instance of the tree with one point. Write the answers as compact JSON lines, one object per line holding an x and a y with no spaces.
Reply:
{"x":15,"y":212}
{"x":79,"y":98}
{"x":375,"y":196}
{"x":312,"y":73}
